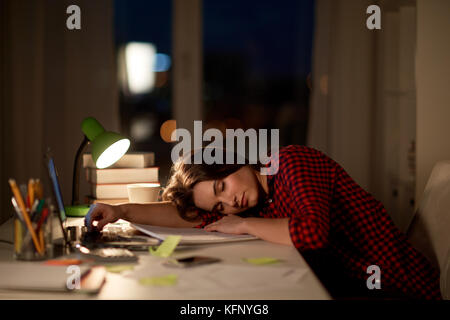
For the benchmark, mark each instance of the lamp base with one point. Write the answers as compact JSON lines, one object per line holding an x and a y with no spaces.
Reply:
{"x":77,"y":211}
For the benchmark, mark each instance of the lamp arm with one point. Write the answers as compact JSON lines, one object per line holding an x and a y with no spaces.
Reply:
{"x":76,"y":172}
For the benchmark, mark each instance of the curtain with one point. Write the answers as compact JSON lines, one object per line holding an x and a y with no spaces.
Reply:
{"x":343,"y":86}
{"x":363,"y":101}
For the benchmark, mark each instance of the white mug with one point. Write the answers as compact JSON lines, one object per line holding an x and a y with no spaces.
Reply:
{"x":143,"y":192}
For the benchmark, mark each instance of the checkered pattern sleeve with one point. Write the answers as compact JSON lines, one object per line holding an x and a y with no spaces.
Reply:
{"x":309,"y":179}
{"x":331,"y":216}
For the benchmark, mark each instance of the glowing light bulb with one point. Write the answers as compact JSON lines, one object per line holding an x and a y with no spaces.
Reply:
{"x":113,"y":153}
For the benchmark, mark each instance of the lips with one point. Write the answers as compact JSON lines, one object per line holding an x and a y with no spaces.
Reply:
{"x":243,"y":201}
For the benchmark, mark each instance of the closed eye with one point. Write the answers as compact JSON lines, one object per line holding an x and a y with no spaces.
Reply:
{"x":218,"y":206}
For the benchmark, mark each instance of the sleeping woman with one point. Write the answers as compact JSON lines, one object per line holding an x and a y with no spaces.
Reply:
{"x":310,"y":203}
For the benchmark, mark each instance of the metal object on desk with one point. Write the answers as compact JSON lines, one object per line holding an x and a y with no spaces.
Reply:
{"x":116,"y":236}
{"x":107,"y":254}
{"x":72,"y":233}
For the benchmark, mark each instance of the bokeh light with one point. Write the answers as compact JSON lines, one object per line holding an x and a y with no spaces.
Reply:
{"x":142,"y":128}
{"x":135,"y":67}
{"x":162,"y":62}
{"x":166,"y":130}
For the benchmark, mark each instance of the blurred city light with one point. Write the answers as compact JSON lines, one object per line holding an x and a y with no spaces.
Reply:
{"x":162,"y":62}
{"x":142,"y":127}
{"x":136,"y":65}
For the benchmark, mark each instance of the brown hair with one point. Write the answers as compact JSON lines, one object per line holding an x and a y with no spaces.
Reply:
{"x":184,"y":176}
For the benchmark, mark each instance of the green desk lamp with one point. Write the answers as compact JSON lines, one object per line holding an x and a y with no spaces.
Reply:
{"x":107,"y":147}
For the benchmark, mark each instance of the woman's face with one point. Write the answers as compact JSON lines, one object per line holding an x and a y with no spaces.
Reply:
{"x":233,"y":194}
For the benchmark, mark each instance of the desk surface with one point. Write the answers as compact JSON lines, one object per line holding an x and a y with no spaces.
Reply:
{"x":230,"y":279}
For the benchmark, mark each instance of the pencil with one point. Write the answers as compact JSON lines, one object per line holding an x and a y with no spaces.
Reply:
{"x":17,"y":235}
{"x":30,"y":193}
{"x":19,"y":199}
{"x":39,"y":190}
{"x":41,"y":238}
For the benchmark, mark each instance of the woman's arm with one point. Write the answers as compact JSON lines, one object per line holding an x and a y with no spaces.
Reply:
{"x":163,"y":214}
{"x":273,"y":230}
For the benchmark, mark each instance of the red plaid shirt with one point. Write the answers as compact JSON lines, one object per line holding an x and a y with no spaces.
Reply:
{"x":330,"y":214}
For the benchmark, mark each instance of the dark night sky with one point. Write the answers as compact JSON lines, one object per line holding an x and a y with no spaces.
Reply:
{"x":275,"y":37}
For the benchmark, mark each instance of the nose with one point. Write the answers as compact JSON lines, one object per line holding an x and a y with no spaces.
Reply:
{"x":230,"y":201}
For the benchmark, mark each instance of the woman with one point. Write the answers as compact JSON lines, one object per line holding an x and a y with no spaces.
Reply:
{"x":310,"y":203}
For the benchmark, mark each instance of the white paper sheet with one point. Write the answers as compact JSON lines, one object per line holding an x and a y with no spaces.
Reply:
{"x":191,"y":235}
{"x":220,"y":278}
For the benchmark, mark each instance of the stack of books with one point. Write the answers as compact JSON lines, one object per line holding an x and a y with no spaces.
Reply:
{"x":109,"y":185}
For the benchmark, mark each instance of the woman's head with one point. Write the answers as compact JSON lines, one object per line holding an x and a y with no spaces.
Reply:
{"x":225,"y":188}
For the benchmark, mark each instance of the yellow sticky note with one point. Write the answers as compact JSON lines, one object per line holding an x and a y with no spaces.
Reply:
{"x":164,"y":281}
{"x":118,"y":268}
{"x":261,"y":261}
{"x":166,"y":248}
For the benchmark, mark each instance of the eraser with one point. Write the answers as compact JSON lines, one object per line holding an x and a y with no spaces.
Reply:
{"x":87,"y":219}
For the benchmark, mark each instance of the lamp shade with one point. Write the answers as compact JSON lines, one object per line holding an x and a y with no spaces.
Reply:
{"x":107,"y":147}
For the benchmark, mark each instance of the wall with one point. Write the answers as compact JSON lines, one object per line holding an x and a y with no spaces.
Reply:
{"x":55,"y":78}
{"x":433,"y":92}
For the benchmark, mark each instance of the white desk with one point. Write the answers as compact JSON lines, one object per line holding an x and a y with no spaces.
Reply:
{"x":126,"y":285}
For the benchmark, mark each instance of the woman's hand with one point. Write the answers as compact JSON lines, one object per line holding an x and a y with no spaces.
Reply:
{"x":104,"y":214}
{"x":228,"y":224}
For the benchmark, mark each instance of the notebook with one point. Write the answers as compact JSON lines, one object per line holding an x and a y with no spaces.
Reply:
{"x":128,"y":160}
{"x":191,"y":235}
{"x":122,"y":175}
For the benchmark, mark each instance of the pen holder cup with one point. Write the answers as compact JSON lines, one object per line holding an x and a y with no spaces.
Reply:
{"x":25,"y":245}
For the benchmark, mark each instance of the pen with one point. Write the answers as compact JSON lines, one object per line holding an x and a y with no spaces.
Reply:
{"x":42,"y":219}
{"x":21,"y":204}
{"x":38,"y":228}
{"x":17,"y":209}
{"x":38,"y":211}
{"x":33,"y":212}
{"x":34,"y":206}
{"x":41,"y":205}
